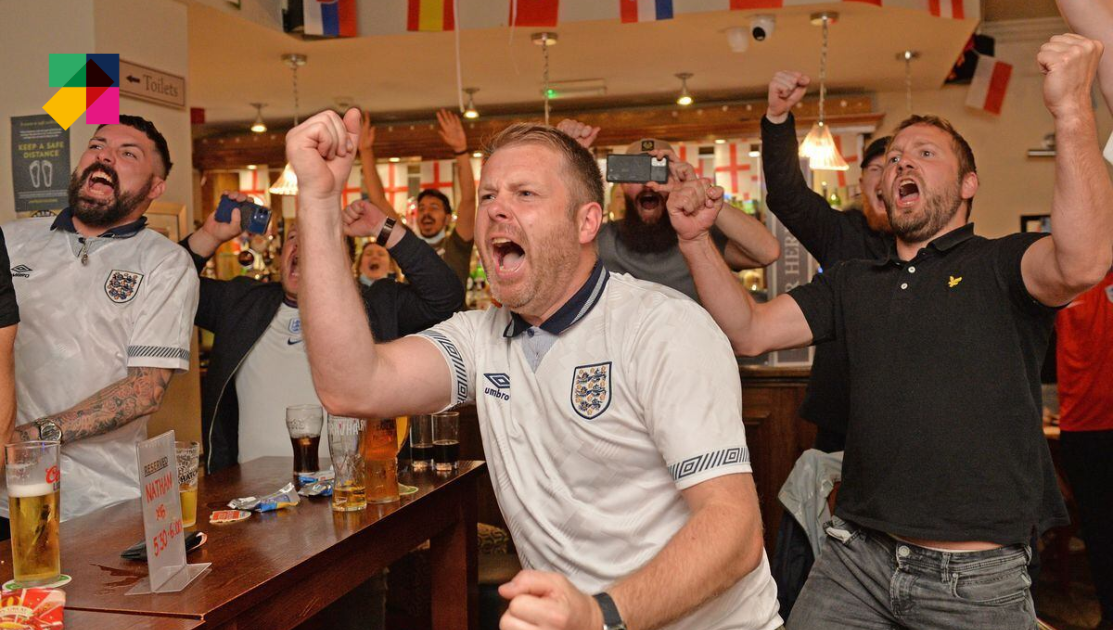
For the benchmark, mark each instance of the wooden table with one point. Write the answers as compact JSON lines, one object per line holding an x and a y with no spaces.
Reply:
{"x":277,"y":569}
{"x":86,"y":620}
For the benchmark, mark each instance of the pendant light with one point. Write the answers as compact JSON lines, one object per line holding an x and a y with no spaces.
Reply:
{"x":287,"y":183}
{"x":469,"y":110}
{"x":819,"y":146}
{"x":684,"y":99}
{"x":908,"y":57}
{"x":258,"y":126}
{"x":545,"y":40}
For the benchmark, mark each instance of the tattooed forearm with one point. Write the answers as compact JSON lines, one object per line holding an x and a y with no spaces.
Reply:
{"x":137,"y":395}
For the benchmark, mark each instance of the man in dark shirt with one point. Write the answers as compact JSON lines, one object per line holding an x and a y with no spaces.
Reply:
{"x":829,"y":235}
{"x":9,"y":323}
{"x":946,"y":472}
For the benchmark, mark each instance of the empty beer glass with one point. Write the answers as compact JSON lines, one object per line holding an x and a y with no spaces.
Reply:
{"x":34,"y":505}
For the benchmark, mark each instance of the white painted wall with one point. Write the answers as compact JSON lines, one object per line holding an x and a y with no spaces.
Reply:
{"x":1012,"y":184}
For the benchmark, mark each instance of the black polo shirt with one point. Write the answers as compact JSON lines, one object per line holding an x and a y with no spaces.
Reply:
{"x":830,"y":236}
{"x":943,"y":353}
{"x":9,"y":308}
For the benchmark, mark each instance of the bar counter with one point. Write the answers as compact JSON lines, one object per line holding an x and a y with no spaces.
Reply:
{"x":276,"y":569}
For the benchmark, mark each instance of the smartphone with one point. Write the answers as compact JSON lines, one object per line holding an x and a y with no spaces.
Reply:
{"x":253,"y":217}
{"x":638,"y":168}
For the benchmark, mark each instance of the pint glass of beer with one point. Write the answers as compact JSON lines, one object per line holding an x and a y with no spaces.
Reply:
{"x":380,"y":456}
{"x":189,"y":460}
{"x":345,"y":440}
{"x":304,"y":424}
{"x":34,"y":505}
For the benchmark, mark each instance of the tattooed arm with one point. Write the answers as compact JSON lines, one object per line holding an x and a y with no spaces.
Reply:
{"x":138,"y":394}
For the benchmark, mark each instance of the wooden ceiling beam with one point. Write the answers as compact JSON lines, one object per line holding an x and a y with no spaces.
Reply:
{"x":618,"y":127}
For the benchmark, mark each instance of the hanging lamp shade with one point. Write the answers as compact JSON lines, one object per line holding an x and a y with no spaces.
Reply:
{"x":819,"y":147}
{"x":287,"y":183}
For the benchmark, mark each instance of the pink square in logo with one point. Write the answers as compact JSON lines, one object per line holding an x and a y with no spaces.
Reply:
{"x":106,"y":109}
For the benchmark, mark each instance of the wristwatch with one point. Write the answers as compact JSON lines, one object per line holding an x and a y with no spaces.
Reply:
{"x":384,"y":234}
{"x":49,"y":430}
{"x":611,"y":619}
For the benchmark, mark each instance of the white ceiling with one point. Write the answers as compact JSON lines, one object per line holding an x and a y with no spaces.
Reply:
{"x":234,"y":62}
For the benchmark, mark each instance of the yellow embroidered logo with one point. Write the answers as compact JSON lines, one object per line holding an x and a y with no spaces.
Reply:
{"x":953,"y":282}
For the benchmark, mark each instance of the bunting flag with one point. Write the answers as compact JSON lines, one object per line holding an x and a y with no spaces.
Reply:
{"x":746,"y":5}
{"x":644,"y":10}
{"x":395,"y":179}
{"x":438,"y":176}
{"x":330,"y":18}
{"x":431,"y":16}
{"x":953,"y":9}
{"x":254,"y":183}
{"x":988,"y":87}
{"x":736,"y":171}
{"x":534,"y":12}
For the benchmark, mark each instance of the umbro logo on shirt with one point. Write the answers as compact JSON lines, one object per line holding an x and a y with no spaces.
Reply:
{"x":21,"y":271}
{"x":500,"y":381}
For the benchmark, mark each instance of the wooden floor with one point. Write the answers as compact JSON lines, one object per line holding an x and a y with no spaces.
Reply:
{"x":1074,"y":607}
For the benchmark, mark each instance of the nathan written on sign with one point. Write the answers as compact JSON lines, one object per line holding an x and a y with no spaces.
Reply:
{"x":162,"y":519}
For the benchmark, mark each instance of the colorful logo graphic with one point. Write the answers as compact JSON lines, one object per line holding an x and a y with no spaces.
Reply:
{"x":87,"y":83}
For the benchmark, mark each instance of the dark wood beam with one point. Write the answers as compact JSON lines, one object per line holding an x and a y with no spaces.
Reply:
{"x":619,"y":127}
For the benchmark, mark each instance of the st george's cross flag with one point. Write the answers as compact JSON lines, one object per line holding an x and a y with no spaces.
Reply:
{"x":988,"y":87}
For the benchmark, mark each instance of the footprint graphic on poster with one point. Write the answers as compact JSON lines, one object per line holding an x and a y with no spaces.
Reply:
{"x":35,"y":170}
{"x":48,"y":173}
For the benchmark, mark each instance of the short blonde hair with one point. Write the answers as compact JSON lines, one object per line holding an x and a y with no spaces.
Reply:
{"x":587,"y":184}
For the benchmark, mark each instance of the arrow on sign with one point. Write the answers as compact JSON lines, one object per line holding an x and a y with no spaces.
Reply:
{"x":132,"y":79}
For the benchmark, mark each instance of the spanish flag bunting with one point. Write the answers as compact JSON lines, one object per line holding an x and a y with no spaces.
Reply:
{"x":431,"y":15}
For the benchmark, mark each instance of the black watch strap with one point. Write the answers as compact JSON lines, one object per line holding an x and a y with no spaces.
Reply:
{"x":384,"y":234}
{"x":611,"y":619}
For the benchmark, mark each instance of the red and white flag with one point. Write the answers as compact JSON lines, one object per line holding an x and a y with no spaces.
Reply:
{"x":953,"y":9}
{"x":644,"y":10}
{"x":395,"y":179}
{"x":534,"y":12}
{"x":988,"y":87}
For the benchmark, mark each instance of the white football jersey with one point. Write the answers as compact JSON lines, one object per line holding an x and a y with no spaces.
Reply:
{"x":92,"y":308}
{"x":594,"y":422}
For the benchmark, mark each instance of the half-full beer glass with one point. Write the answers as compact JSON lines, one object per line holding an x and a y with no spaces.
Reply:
{"x":304,"y":424}
{"x":34,"y":504}
{"x":189,"y":461}
{"x":380,"y":456}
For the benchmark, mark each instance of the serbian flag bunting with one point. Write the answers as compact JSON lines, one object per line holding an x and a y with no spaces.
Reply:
{"x":330,"y":18}
{"x":534,"y":12}
{"x":431,"y":15}
{"x":988,"y":87}
{"x":644,"y":10}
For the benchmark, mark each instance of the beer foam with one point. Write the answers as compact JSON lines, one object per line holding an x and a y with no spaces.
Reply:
{"x":30,"y":490}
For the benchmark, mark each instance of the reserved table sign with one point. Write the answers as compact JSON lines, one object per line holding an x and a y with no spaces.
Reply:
{"x":164,"y":535}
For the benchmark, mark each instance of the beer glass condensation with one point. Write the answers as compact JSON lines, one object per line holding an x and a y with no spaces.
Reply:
{"x":345,"y":441}
{"x":304,"y":424}
{"x":34,"y":507}
{"x":189,"y":462}
{"x":380,"y":456}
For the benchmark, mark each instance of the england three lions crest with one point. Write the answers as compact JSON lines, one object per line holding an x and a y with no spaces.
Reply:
{"x":591,"y":389}
{"x":122,"y":286}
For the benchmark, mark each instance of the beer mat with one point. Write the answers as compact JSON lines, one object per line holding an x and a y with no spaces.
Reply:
{"x":404,"y":490}
{"x":223,"y":517}
{"x":63,"y":579}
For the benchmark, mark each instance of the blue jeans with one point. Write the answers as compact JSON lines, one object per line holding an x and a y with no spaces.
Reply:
{"x":866,"y":579}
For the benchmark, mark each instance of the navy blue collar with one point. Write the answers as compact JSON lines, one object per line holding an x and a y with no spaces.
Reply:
{"x":578,"y":306}
{"x":64,"y":221}
{"x":940,"y":244}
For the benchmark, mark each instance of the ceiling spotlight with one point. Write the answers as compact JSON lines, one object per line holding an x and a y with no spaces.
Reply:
{"x":720,"y":141}
{"x":684,"y":99}
{"x":394,"y":160}
{"x":259,"y":126}
{"x":755,"y":150}
{"x":738,"y":38}
{"x":544,"y":39}
{"x":477,"y":154}
{"x":470,"y":111}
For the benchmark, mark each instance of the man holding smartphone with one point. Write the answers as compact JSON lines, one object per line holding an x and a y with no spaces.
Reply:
{"x":644,"y":244}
